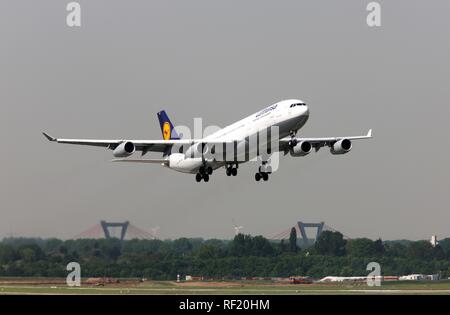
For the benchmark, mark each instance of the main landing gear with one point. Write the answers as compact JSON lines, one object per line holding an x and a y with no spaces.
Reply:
{"x":263,"y":172}
{"x":293,"y":142}
{"x":203,"y":173}
{"x":231,"y":170}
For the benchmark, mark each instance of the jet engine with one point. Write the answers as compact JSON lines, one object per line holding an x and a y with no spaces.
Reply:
{"x":124,"y":149}
{"x":340,"y":147}
{"x":184,"y":164}
{"x":301,"y":149}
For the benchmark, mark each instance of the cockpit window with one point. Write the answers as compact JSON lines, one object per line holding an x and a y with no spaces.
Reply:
{"x":297,"y":104}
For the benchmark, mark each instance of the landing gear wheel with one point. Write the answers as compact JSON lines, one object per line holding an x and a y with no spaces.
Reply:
{"x":292,"y":142}
{"x":265,"y":176}
{"x":209,"y":170}
{"x":234,"y":171}
{"x":257,"y":177}
{"x":206,"y":177}
{"x":228,"y":171}
{"x":198,"y":177}
{"x":201,"y":170}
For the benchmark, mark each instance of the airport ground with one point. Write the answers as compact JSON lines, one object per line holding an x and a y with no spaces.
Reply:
{"x":57,"y":286}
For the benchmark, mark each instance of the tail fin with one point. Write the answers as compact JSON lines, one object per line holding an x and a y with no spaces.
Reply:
{"x":167,"y":129}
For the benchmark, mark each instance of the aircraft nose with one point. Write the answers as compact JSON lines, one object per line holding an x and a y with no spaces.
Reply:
{"x":306,"y":111}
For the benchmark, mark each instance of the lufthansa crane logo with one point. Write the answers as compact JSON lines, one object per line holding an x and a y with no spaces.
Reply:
{"x":166,"y":131}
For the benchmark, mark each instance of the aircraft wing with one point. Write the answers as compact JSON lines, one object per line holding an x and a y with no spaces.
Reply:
{"x":140,"y":145}
{"x":317,"y":143}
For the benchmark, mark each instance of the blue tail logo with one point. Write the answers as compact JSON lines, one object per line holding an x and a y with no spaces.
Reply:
{"x":167,"y":129}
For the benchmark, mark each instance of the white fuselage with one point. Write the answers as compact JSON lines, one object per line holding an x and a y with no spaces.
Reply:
{"x":284,"y":115}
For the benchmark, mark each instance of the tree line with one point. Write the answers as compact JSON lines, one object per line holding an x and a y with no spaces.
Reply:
{"x":244,"y":256}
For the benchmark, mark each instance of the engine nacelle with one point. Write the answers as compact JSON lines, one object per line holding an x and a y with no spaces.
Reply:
{"x":341,"y":147}
{"x":179,"y":162}
{"x":301,"y":149}
{"x":124,"y":149}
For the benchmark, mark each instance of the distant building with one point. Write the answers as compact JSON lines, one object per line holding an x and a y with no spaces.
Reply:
{"x":357,"y":279}
{"x":193,"y":278}
{"x":414,"y":277}
{"x":418,"y":277}
{"x":342,"y":279}
{"x":434,"y":240}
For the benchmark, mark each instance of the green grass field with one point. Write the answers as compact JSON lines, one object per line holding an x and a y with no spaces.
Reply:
{"x":237,"y":287}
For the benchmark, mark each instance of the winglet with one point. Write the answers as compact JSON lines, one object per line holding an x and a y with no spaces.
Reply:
{"x":369,"y":134}
{"x":49,"y":138}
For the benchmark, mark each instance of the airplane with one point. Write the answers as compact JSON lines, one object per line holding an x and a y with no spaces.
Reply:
{"x":189,"y":155}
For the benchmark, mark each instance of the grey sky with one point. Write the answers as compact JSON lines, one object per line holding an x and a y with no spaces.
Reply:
{"x":222,"y":60}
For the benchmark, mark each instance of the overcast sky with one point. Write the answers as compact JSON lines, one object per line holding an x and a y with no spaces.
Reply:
{"x":223,"y":60}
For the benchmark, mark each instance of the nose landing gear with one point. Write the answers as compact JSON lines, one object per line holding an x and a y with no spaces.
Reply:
{"x":293,"y":142}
